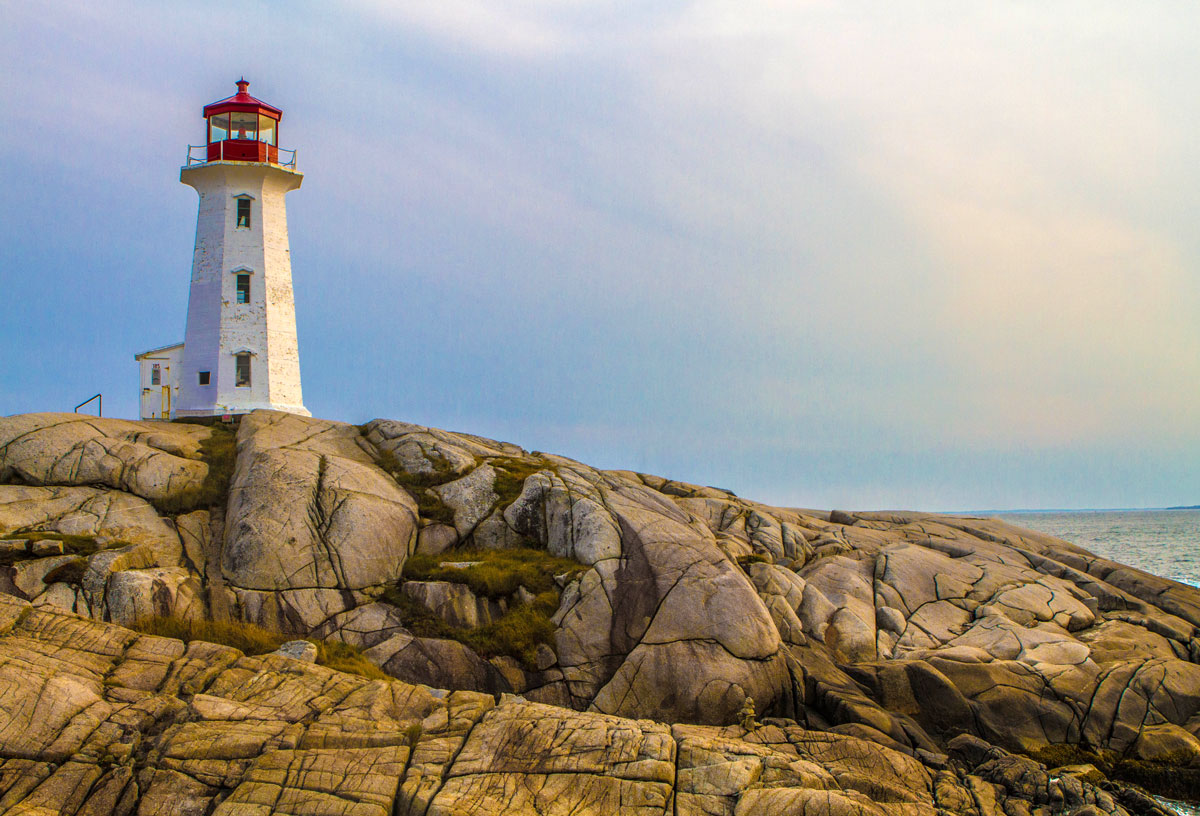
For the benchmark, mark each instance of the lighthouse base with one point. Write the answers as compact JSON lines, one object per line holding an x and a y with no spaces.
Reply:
{"x":218,"y":410}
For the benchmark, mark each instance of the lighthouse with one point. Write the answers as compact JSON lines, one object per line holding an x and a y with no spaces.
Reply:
{"x":240,"y":350}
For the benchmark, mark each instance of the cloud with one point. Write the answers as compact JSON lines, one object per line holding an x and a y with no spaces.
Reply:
{"x":705,"y":235}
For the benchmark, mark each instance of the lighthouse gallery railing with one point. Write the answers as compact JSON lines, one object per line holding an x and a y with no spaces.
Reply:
{"x":203,"y":157}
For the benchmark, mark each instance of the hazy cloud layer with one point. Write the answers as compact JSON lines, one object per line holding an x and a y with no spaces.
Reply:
{"x":855,"y":254}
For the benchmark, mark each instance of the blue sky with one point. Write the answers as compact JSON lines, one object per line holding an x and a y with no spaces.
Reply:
{"x":855,"y":255}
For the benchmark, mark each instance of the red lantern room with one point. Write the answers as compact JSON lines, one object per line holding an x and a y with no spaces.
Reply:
{"x":242,"y":128}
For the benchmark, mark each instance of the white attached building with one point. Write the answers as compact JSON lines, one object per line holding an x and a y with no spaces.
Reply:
{"x":240,"y":350}
{"x":160,"y":381}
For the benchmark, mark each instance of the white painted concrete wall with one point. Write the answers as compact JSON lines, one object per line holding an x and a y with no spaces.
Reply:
{"x":218,"y":327}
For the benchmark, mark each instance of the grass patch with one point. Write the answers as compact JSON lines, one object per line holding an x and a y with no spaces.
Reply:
{"x":245,"y":637}
{"x":417,"y":619}
{"x":80,"y":545}
{"x":345,"y":658}
{"x":442,"y":471}
{"x":499,"y":572}
{"x":429,"y":504}
{"x":517,"y":634}
{"x":256,"y":640}
{"x":753,"y":558}
{"x":219,"y":452}
{"x":511,"y":474}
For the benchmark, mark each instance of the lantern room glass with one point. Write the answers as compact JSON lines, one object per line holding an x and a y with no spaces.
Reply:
{"x":243,"y":126}
{"x":266,"y":129}
{"x":218,"y":127}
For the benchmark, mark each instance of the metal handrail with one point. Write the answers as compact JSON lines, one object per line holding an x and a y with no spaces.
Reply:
{"x":99,"y":399}
{"x":203,"y":158}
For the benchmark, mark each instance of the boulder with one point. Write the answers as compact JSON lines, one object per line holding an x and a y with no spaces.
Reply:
{"x":303,"y":650}
{"x":471,"y":498}
{"x":1169,"y":744}
{"x":309,"y":511}
{"x":29,"y":577}
{"x":106,"y":515}
{"x":157,"y":462}
{"x":454,"y":603}
{"x":134,"y":594}
{"x":363,"y":626}
{"x":436,"y":662}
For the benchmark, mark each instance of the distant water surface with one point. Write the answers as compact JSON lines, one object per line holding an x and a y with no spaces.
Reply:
{"x":1164,"y":542}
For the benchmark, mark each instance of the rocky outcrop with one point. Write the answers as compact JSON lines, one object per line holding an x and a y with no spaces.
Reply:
{"x":156,"y":461}
{"x":102,"y":720}
{"x":312,"y":523}
{"x":685,"y":605}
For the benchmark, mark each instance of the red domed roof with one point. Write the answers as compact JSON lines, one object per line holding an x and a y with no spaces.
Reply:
{"x":242,"y":102}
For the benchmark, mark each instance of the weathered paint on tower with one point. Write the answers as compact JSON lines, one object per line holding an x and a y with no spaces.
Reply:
{"x":240,"y":346}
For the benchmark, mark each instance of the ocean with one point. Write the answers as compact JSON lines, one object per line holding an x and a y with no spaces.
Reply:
{"x":1164,"y":542}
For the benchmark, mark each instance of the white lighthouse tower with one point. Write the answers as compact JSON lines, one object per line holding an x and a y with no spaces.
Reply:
{"x":240,"y":350}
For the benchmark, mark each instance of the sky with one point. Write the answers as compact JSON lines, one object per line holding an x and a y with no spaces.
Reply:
{"x":853,"y":255}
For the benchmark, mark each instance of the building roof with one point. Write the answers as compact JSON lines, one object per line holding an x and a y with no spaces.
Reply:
{"x":157,"y":350}
{"x":243,"y":102}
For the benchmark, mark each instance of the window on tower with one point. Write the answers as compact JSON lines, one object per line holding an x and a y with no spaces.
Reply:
{"x":204,"y":377}
{"x":156,"y":374}
{"x":242,"y":378}
{"x":243,"y":213}
{"x":243,"y":288}
{"x":266,"y":129}
{"x":243,"y":126}
{"x":218,"y":127}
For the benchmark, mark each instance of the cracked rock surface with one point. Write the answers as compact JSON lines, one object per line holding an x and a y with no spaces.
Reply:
{"x":870,"y":643}
{"x":102,"y":720}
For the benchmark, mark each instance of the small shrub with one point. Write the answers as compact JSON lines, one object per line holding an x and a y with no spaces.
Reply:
{"x":519,"y":631}
{"x":753,"y":558}
{"x":431,"y":506}
{"x":442,"y":471}
{"x":417,"y":619}
{"x":499,"y":572}
{"x":345,"y":658}
{"x":70,"y":572}
{"x":257,"y":640}
{"x":511,"y":474}
{"x":517,"y":634}
{"x":412,"y":735}
{"x":219,"y":452}
{"x":245,"y":637}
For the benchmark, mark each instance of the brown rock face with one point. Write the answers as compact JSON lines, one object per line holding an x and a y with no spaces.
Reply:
{"x":311,"y":521}
{"x":853,"y":634}
{"x":100,"y":719}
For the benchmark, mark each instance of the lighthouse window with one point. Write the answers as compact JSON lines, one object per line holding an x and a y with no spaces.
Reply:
{"x":218,"y":127}
{"x":266,"y":129}
{"x":243,"y":126}
{"x":204,"y":377}
{"x":243,"y":288}
{"x":242,"y":379}
{"x":243,"y":213}
{"x":155,"y":374}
